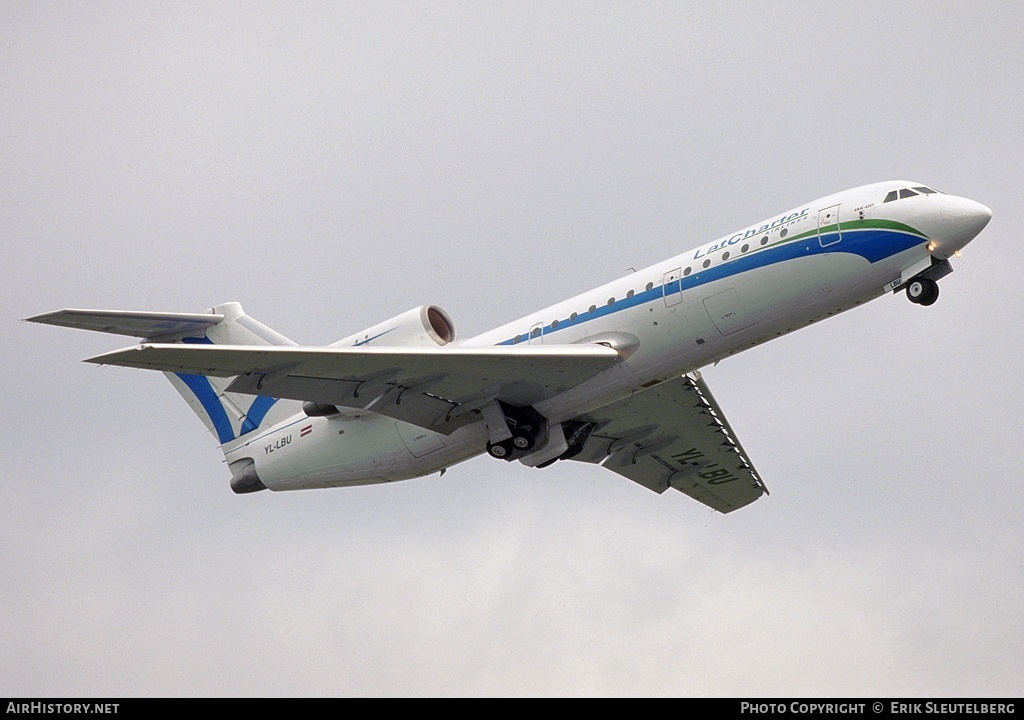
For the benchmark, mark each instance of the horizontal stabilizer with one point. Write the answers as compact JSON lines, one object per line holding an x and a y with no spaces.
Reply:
{"x":131,"y":323}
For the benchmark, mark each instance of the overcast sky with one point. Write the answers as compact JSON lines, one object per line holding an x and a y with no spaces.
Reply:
{"x":332,"y":165}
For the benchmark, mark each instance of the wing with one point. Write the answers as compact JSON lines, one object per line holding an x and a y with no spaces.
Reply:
{"x":674,"y":435}
{"x":435,"y":388}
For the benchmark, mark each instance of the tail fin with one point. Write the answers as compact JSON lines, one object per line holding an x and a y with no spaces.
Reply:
{"x":229,"y":416}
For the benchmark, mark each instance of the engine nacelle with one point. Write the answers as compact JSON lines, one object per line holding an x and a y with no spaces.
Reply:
{"x":425,"y":325}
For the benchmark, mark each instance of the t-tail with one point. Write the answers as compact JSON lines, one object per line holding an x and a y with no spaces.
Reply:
{"x":229,"y":416}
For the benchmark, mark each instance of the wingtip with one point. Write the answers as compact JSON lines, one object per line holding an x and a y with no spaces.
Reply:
{"x":42,"y":318}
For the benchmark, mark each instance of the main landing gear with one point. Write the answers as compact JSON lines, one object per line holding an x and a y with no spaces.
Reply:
{"x":526,"y":425}
{"x":922,"y":291}
{"x":504,"y":449}
{"x":533,"y":436}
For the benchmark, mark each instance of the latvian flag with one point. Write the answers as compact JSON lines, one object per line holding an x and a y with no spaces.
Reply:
{"x":305,"y":431}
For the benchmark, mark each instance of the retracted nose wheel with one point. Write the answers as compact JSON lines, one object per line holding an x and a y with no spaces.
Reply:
{"x":922,"y":291}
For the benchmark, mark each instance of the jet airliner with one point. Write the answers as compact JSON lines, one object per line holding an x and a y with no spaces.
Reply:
{"x":610,"y":377}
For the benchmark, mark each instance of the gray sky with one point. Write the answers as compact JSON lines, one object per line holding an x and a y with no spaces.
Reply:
{"x":331,"y":165}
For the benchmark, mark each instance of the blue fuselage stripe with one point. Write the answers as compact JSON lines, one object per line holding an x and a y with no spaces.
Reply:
{"x":871,"y":244}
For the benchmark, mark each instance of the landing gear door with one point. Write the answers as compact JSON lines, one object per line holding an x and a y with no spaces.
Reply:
{"x":829,"y":232}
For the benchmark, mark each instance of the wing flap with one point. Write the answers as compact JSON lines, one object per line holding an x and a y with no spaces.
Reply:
{"x":675,"y":435}
{"x":410,"y":404}
{"x":424,"y":386}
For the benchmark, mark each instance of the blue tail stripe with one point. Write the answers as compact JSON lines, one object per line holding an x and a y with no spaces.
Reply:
{"x":257,"y":411}
{"x":207,"y":396}
{"x":204,"y":392}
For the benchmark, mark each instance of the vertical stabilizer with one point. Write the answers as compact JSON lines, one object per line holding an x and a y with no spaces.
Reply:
{"x":229,"y":416}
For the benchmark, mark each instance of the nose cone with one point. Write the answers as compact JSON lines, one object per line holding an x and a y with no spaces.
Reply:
{"x":962,"y":219}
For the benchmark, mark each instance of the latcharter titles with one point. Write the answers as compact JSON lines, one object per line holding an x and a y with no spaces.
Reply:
{"x":751,"y":232}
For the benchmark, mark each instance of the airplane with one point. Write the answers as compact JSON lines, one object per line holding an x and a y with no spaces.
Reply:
{"x":609,"y":377}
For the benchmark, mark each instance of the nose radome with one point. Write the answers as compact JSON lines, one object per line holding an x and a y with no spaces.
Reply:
{"x":964,"y":219}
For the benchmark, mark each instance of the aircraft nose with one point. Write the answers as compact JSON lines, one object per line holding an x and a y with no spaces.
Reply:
{"x":964,"y":219}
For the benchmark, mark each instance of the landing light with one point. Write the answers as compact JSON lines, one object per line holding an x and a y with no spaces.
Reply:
{"x":957,"y":253}
{"x":931,"y":247}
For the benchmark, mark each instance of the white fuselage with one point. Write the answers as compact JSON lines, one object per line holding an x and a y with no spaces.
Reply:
{"x":763,"y":281}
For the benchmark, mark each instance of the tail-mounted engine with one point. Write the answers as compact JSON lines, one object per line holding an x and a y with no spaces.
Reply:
{"x":425,"y":325}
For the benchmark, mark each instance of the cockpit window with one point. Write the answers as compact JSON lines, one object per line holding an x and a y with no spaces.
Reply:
{"x":908,"y":192}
